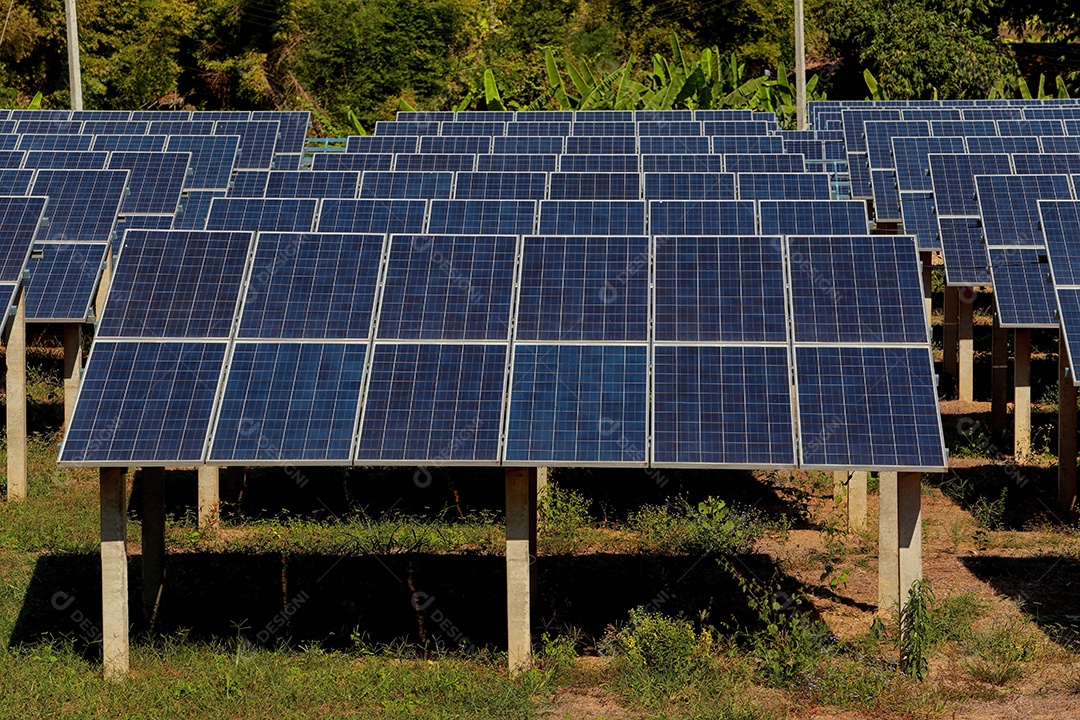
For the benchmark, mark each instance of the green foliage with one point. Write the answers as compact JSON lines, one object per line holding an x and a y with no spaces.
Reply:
{"x":915,"y":631}
{"x":658,"y":655}
{"x":709,"y":527}
{"x":999,"y":655}
{"x":561,"y":513}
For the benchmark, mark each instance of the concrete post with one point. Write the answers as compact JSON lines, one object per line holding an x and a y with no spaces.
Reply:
{"x":927,"y":259}
{"x":857,"y":501}
{"x":209,"y":498}
{"x":114,"y":577}
{"x":72,"y":368}
{"x":966,"y":332}
{"x":520,"y":521}
{"x":1000,"y":376}
{"x":103,"y":285}
{"x":909,"y":550}
{"x":15,"y":355}
{"x":1022,"y":393}
{"x":153,"y":541}
{"x":949,"y":365}
{"x":888,"y":542}
{"x":1066,"y":430}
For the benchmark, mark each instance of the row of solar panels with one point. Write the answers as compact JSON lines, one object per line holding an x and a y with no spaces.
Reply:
{"x":829,"y":115}
{"x":549,"y":128}
{"x":294,"y":348}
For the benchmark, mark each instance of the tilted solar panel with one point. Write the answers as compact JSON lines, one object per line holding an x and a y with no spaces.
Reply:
{"x":665,"y":145}
{"x":399,"y":127}
{"x":964,"y":251}
{"x":312,"y":184}
{"x":155,"y":180}
{"x":886,"y":196}
{"x":603,"y":129}
{"x":784,"y":186}
{"x":912,"y":159}
{"x":62,"y":283}
{"x":813,"y":217}
{"x":879,"y":135}
{"x":621,"y":145}
{"x":595,"y":186}
{"x":433,"y":163}
{"x":15,"y":182}
{"x":747,"y":144}
{"x":592,"y":217}
{"x":862,"y":183}
{"x":480,"y":217}
{"x":406,"y":185}
{"x":12,"y":159}
{"x":1030,"y":127}
{"x":468,"y":145}
{"x":80,"y":143}
{"x":963,"y":128}
{"x":257,"y":141}
{"x":500,"y":186}
{"x":212,"y":159}
{"x":292,"y":128}
{"x":372,"y":216}
{"x":545,"y":128}
{"x":516,"y":163}
{"x":599,"y":163}
{"x":64,"y":160}
{"x":953,"y":178}
{"x":1023,"y":293}
{"x":1008,"y":205}
{"x":194,"y":208}
{"x":20,"y":221}
{"x":920,"y":219}
{"x":673,"y":128}
{"x":764,"y":163}
{"x":528,"y":145}
{"x":258,"y":214}
{"x":181,"y":127}
{"x":1070,"y":144}
{"x":1046,"y":163}
{"x":114,"y":127}
{"x":682,"y":163}
{"x":689,"y":186}
{"x":702,"y":217}
{"x":473,"y":127}
{"x":83,"y":204}
{"x":352,"y":161}
{"x":383,"y":144}
{"x":738,"y":127}
{"x":996,"y":144}
{"x":1060,"y":225}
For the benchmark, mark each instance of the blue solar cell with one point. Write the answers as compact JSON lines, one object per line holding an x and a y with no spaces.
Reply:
{"x":311,"y":286}
{"x":181,"y":127}
{"x":920,"y":219}
{"x":482,"y":217}
{"x":287,"y":161}
{"x":80,"y":143}
{"x":257,"y":142}
{"x":689,"y":186}
{"x":855,"y":120}
{"x":720,"y":289}
{"x":47,"y":127}
{"x":257,"y":214}
{"x":424,"y":115}
{"x":584,"y":289}
{"x":292,"y":128}
{"x":667,"y":116}
{"x":312,"y":184}
{"x":172,"y":284}
{"x":524,"y":116}
{"x":62,"y":281}
{"x":11,"y":159}
{"x":886,"y":196}
{"x":406,"y":185}
{"x":701,"y":217}
{"x":1023,"y":293}
{"x":295,"y":401}
{"x":1051,"y":113}
{"x":155,"y":115}
{"x":925,"y":113}
{"x":856,"y":289}
{"x":963,"y":128}
{"x":619,"y":145}
{"x":20,"y":220}
{"x":433,"y":404}
{"x":129,"y":143}
{"x":433,"y":163}
{"x":953,"y":178}
{"x":352,"y":161}
{"x":574,"y":404}
{"x":115,"y":115}
{"x":145,"y":222}
{"x":747,"y":144}
{"x":500,"y":186}
{"x":862,"y":183}
{"x":385,"y":144}
{"x":467,"y":145}
{"x":1046,"y":163}
{"x":372,"y":216}
{"x":1060,"y":223}
{"x":912,"y":159}
{"x":20,"y":114}
{"x":784,"y":186}
{"x":15,"y":182}
{"x":1068,"y":301}
{"x":595,"y":186}
{"x":682,"y":163}
{"x":809,"y":149}
{"x":83,"y":204}
{"x":448,"y":287}
{"x":144,"y":402}
{"x":222,"y":115}
{"x":193,"y":209}
{"x":1030,"y":127}
{"x":675,"y":128}
{"x":398,"y":127}
{"x":613,"y":128}
{"x":528,"y":145}
{"x":212,"y":159}
{"x":63,"y":160}
{"x":604,"y":116}
{"x":155,"y":180}
{"x":516,"y":163}
{"x":249,"y":183}
{"x":592,"y":217}
{"x":730,"y":128}
{"x":546,"y":128}
{"x":665,"y":145}
{"x":718,"y":115}
{"x":879,"y":135}
{"x":868,"y":408}
{"x":813,"y":217}
{"x":1069,"y":144}
{"x":722,"y":406}
{"x":599,"y":163}
{"x":991,"y":113}
{"x":114,"y":127}
{"x":1008,"y":205}
{"x":996,"y":144}
{"x":964,"y":252}
{"x":473,"y":128}
{"x":764,"y":163}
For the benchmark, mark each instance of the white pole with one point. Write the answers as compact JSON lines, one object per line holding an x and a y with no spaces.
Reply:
{"x":74,"y":71}
{"x":800,"y":67}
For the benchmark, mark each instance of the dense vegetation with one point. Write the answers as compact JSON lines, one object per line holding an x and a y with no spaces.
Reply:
{"x":367,"y":55}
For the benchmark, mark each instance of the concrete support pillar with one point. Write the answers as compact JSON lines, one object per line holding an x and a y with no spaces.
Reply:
{"x":153,"y":541}
{"x":888,"y":542}
{"x":209,"y":498}
{"x":15,"y":355}
{"x":1066,"y":430}
{"x":857,"y":501}
{"x":949,"y":342}
{"x":927,"y":259}
{"x":1022,"y":393}
{"x":966,"y":333}
{"x":1000,"y":377}
{"x":114,"y":577}
{"x":909,"y":512}
{"x":520,"y":534}
{"x":72,"y":368}
{"x":103,"y":285}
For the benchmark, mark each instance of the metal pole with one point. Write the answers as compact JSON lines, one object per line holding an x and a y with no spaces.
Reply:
{"x":800,"y":67}
{"x":74,"y":71}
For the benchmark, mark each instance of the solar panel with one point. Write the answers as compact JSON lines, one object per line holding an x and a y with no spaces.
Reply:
{"x":428,"y":402}
{"x":813,"y":217}
{"x":1051,"y":113}
{"x":592,"y":217}
{"x":666,"y":145}
{"x":114,"y":127}
{"x":63,"y":160}
{"x":287,"y":161}
{"x":424,"y":115}
{"x":879,"y":135}
{"x":448,"y":287}
{"x":12,"y":159}
{"x":886,"y":196}
{"x":129,"y":143}
{"x":862,"y":184}
{"x":155,"y":180}
{"x":1060,"y":223}
{"x":856,"y":289}
{"x":1046,"y":163}
{"x":455,"y":145}
{"x":920,"y":219}
{"x":430,"y":163}
{"x":20,"y":220}
{"x":15,"y":182}
{"x":1069,"y":144}
{"x":223,"y":115}
{"x":155,"y":115}
{"x":1030,"y":127}
{"x":528,"y":145}
{"x":516,"y":163}
{"x":47,"y":127}
{"x":474,"y":128}
{"x":384,"y":144}
{"x":964,"y":252}
{"x":991,"y":113}
{"x":257,"y":141}
{"x":182,"y":127}
{"x":963,"y":128}
{"x":312,"y":184}
{"x":289,"y":400}
{"x":62,"y":282}
{"x":526,"y":116}
{"x":176,"y":284}
{"x":701,"y":217}
{"x":665,"y":115}
{"x":1008,"y":205}
{"x":722,"y":406}
{"x":584,"y":289}
{"x":20,"y":114}
{"x":868,"y":407}
{"x":764,"y":163}
{"x":352,"y":161}
{"x":747,"y":144}
{"x":251,"y":214}
{"x":145,"y":401}
{"x":311,"y":286}
{"x":10,"y":142}
{"x":212,"y":159}
{"x":682,"y":163}
{"x":810,"y":149}
{"x":194,"y":208}
{"x":784,"y":186}
{"x":995,"y":144}
{"x":1068,"y":300}
{"x":1023,"y":293}
{"x":603,"y":129}
{"x":82,"y":203}
{"x":145,"y":222}
{"x":292,"y":128}
{"x":80,"y":143}
{"x":599,"y":163}
{"x":406,"y":185}
{"x":399,"y":127}
{"x":738,"y":127}
{"x":689,"y":186}
{"x":578,"y":405}
{"x":718,"y":115}
{"x":476,"y":217}
{"x":604,"y":116}
{"x":720,"y":289}
{"x":912,"y":159}
{"x":620,"y":145}
{"x":116,"y":115}
{"x":939,"y":113}
{"x":372,"y":216}
{"x":545,"y":128}
{"x":249,"y":183}
{"x":595,"y":186}
{"x":855,"y":121}
{"x":500,"y":186}
{"x":674,"y":128}
{"x":953,"y":178}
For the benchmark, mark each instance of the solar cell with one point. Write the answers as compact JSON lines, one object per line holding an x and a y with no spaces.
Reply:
{"x":953,"y":178}
{"x":154,"y":182}
{"x":455,"y":145}
{"x":20,"y":220}
{"x":578,"y":405}
{"x":251,"y":214}
{"x":83,"y":204}
{"x":257,"y":141}
{"x":15,"y":182}
{"x":738,"y":127}
{"x":372,"y":216}
{"x":292,"y":128}
{"x":963,"y":128}
{"x":813,"y":217}
{"x":80,"y":143}
{"x":592,"y":217}
{"x":63,"y":160}
{"x":912,"y":159}
{"x":295,"y":401}
{"x":528,"y":145}
{"x":1008,"y":205}
{"x":701,"y":217}
{"x":114,"y":127}
{"x":500,"y":186}
{"x":682,"y":163}
{"x":249,"y":183}
{"x":996,"y":144}
{"x":784,"y":186}
{"x":47,"y":127}
{"x":433,"y":163}
{"x":920,"y":219}
{"x":1030,"y":127}
{"x":473,"y":127}
{"x":1023,"y":294}
{"x":595,"y":186}
{"x":665,"y":145}
{"x":886,"y":196}
{"x":400,"y":127}
{"x":62,"y":282}
{"x":212,"y":159}
{"x":673,"y":128}
{"x":613,"y":128}
{"x":181,"y":127}
{"x":964,"y":252}
{"x":584,"y":289}
{"x":352,"y":161}
{"x":879,"y":135}
{"x":619,"y":145}
{"x":129,"y":143}
{"x":1046,"y":163}
{"x":1060,"y":224}
{"x":384,"y":144}
{"x":145,"y":222}
{"x":406,"y":185}
{"x":764,"y":163}
{"x":689,"y":186}
{"x":747,"y":144}
{"x":193,"y":209}
{"x":477,"y":217}
{"x":11,"y":159}
{"x":312,"y":184}
{"x":862,"y":184}
{"x":144,"y":402}
{"x":1070,"y":144}
{"x":516,"y":163}
{"x":599,"y":163}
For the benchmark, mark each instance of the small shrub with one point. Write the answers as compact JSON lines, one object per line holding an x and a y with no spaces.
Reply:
{"x":561,"y":513}
{"x":915,"y":631}
{"x":990,"y":514}
{"x":656,"y":655}
{"x":1000,"y":655}
{"x":710,"y":527}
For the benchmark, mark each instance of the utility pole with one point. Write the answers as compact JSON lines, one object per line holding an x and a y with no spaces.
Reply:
{"x":800,"y":66}
{"x":74,"y":71}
